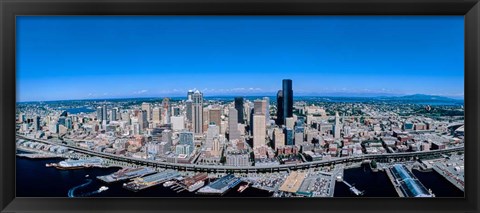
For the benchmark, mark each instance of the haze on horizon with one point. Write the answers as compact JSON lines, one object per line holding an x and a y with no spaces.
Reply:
{"x":95,"y":57}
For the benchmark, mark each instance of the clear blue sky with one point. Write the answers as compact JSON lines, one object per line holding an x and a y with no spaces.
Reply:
{"x":62,"y":58}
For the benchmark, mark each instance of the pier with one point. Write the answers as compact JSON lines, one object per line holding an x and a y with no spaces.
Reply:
{"x":406,"y":184}
{"x":353,"y":189}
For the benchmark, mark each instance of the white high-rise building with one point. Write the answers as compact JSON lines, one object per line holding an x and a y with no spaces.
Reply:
{"x":336,"y":128}
{"x":290,"y":122}
{"x":178,"y":122}
{"x":166,"y":111}
{"x":212,"y":132}
{"x":259,"y":130}
{"x":278,"y":137}
{"x":233,"y":131}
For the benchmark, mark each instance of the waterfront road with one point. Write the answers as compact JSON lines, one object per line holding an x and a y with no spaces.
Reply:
{"x":248,"y":169}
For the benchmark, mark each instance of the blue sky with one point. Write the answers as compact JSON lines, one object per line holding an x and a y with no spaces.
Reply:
{"x":75,"y":57}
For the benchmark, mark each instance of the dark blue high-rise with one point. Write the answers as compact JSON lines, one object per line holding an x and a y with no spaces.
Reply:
{"x":287,"y":99}
{"x":280,"y":117}
{"x":239,"y":108}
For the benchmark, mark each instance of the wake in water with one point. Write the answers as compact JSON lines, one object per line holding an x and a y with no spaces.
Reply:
{"x":72,"y":190}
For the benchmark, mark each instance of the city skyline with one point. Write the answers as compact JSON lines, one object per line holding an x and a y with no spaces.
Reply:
{"x":167,"y":56}
{"x":294,"y":149}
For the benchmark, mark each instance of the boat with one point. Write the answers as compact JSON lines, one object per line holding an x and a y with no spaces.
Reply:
{"x":50,"y":164}
{"x":242,"y":188}
{"x":103,"y":188}
{"x":196,"y":186}
{"x":87,"y":175}
{"x":168,"y":183}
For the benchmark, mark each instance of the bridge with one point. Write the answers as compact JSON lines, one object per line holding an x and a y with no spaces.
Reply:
{"x":387,"y":157}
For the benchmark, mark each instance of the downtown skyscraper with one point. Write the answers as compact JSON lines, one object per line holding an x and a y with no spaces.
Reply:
{"x":280,"y":118}
{"x":234,"y":133}
{"x":239,"y":108}
{"x":287,"y":94}
{"x":197,"y":112}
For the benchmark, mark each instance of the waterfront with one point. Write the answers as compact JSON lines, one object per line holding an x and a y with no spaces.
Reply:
{"x":57,"y":183}
{"x":438,"y":184}
{"x":374,"y":184}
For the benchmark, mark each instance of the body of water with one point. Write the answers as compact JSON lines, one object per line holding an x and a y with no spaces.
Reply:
{"x":36,"y":180}
{"x":79,"y":110}
{"x":373,"y":184}
{"x":377,"y":184}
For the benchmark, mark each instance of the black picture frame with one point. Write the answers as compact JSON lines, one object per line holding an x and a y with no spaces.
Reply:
{"x":12,"y":8}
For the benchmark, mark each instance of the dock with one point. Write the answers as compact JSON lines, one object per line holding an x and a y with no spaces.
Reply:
{"x":455,"y":180}
{"x":221,"y":185}
{"x":395,"y":185}
{"x":126,"y":173}
{"x":406,"y":184}
{"x":150,"y":180}
{"x":39,"y":155}
{"x":353,"y":189}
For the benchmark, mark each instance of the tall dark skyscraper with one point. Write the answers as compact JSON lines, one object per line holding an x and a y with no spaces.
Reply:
{"x":280,"y":108}
{"x":197,"y":113}
{"x":239,"y":108}
{"x":287,"y":99}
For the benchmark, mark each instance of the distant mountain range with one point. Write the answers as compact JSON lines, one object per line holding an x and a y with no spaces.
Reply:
{"x":422,"y":97}
{"x":338,"y":96}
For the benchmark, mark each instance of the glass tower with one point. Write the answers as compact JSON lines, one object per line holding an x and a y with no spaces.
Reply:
{"x":287,"y":99}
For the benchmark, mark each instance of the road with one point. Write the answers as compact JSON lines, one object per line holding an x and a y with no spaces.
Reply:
{"x":247,"y":169}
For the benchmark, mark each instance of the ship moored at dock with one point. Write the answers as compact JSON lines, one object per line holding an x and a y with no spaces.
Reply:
{"x":151,"y":180}
{"x":80,"y":163}
{"x":126,"y":173}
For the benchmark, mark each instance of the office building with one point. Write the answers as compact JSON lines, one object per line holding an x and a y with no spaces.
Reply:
{"x":280,"y":117}
{"x":178,"y":122}
{"x":113,"y":114}
{"x":176,"y":111}
{"x":36,"y":123}
{"x":148,"y":109}
{"x":197,"y":115}
{"x":266,"y":110}
{"x":166,"y":111}
{"x":278,"y":138}
{"x":290,"y":122}
{"x":215,"y":116}
{"x":239,"y":108}
{"x":259,"y":130}
{"x":289,"y":136}
{"x":337,"y":127}
{"x":157,"y":115}
{"x":104,"y":113}
{"x":212,"y":132}
{"x":99,"y":114}
{"x":287,"y":94}
{"x":206,"y":119}
{"x":189,"y":109}
{"x":233,"y":131}
{"x":190,"y":95}
{"x":259,"y":107}
{"x":185,"y":138}
{"x":142,"y":120}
